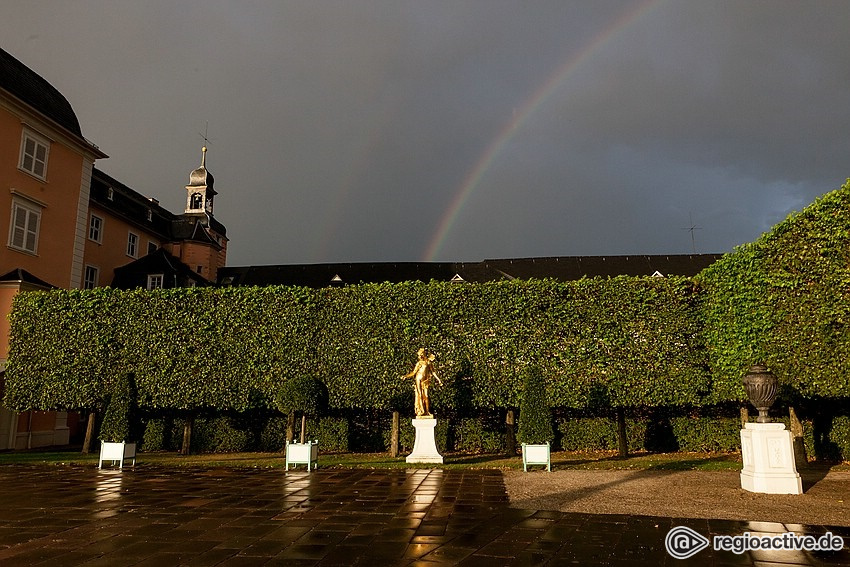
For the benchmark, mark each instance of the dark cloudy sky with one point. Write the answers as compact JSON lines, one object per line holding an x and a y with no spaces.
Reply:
{"x":460,"y":130}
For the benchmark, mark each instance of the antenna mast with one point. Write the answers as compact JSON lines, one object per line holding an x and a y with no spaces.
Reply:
{"x":692,"y":228}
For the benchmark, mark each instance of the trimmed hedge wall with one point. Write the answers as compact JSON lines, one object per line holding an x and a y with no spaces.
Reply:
{"x":618,"y":342}
{"x":226,"y":434}
{"x":694,"y":434}
{"x":623,"y":342}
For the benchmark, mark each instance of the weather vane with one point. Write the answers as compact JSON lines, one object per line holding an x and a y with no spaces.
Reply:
{"x":204,"y":135}
{"x":206,"y":143}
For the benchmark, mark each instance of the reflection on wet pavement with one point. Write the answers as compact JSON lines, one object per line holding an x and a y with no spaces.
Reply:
{"x":154,"y":516}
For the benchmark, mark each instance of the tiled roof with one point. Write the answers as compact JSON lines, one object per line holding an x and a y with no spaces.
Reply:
{"x":190,"y":227}
{"x":576,"y":267}
{"x":133,"y":207}
{"x":130,"y":205}
{"x":21,"y":275}
{"x":27,"y":86}
{"x":175,"y":273}
{"x":562,"y":268}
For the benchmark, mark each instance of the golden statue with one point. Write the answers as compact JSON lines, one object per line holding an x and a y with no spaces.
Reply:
{"x":421,"y":374}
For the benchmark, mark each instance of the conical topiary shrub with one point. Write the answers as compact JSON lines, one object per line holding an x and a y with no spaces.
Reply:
{"x":119,"y":418}
{"x":535,"y":416}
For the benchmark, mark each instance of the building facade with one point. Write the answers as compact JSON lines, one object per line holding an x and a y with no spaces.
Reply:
{"x":68,"y":224}
{"x":45,"y":175}
{"x":123,"y":226}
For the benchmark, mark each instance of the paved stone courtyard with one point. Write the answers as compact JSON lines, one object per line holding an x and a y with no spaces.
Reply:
{"x":163,"y":517}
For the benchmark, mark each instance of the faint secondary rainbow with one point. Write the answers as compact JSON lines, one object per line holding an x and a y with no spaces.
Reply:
{"x":473,"y":178}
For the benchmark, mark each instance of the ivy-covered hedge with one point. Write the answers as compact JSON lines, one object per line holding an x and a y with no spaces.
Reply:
{"x":784,"y":300}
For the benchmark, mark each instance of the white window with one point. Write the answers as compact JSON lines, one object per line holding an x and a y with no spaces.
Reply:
{"x":34,"y":150}
{"x":155,"y":281}
{"x":90,"y":277}
{"x":152,"y":246}
{"x":23,"y":232}
{"x":150,"y":215}
{"x":132,"y":245}
{"x":96,"y":229}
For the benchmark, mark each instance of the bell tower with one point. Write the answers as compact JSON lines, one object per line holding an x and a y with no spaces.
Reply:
{"x":200,"y":192}
{"x":198,"y":239}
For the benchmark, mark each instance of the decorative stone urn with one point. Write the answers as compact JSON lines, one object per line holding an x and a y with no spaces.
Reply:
{"x":761,"y":386}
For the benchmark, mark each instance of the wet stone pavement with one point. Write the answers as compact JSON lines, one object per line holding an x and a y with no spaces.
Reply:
{"x":163,"y":517}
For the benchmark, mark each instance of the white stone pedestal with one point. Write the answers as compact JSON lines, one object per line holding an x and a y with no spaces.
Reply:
{"x":425,"y":447}
{"x":769,"y":467}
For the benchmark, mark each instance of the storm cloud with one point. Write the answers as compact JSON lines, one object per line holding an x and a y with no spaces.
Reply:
{"x":357,"y":131}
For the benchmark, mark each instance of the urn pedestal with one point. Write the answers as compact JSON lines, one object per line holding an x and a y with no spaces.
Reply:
{"x":767,"y":448}
{"x":425,"y":446}
{"x":768,"y":453}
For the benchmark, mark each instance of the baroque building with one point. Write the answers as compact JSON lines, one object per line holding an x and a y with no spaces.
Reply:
{"x":182,"y":250}
{"x":70,"y":225}
{"x":45,"y":175}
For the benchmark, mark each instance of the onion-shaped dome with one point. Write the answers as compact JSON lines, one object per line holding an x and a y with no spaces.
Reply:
{"x":201,"y":177}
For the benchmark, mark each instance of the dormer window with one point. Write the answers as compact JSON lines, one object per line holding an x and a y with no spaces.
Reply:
{"x":150,"y":215}
{"x":110,"y":194}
